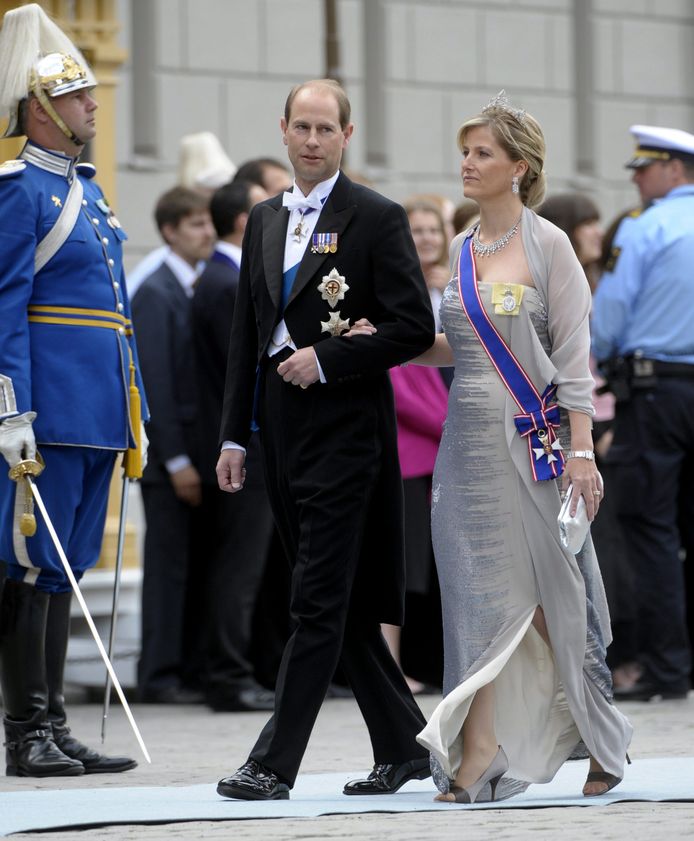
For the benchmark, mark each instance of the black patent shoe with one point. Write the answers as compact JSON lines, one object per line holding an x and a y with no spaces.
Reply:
{"x":93,"y":762}
{"x":31,"y":752}
{"x":253,"y":782}
{"x":387,"y":779}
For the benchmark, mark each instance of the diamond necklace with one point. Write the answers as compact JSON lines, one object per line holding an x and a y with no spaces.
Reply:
{"x":482,"y":250}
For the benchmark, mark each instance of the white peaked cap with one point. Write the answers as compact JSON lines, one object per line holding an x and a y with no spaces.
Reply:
{"x":655,"y":143}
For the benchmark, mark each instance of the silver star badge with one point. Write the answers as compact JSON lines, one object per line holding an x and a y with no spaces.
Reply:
{"x":541,"y":451}
{"x":333,"y":287}
{"x":335,"y":325}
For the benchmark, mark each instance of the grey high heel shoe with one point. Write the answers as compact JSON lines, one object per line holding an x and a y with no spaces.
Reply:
{"x":495,"y":771}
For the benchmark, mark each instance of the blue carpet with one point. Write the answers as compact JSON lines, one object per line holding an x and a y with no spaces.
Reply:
{"x":315,"y":795}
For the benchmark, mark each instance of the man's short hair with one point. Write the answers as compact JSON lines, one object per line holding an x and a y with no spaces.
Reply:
{"x":227,"y":204}
{"x":176,"y":204}
{"x":331,"y":86}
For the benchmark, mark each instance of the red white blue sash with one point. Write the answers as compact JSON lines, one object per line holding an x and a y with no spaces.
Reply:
{"x":538,"y":419}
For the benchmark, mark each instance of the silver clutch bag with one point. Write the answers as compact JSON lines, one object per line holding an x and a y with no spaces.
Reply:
{"x":573,"y":530}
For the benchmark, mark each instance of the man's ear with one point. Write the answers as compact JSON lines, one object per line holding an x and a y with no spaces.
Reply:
{"x":36,"y":110}
{"x":678,"y":170}
{"x":283,"y":126}
{"x":167,"y":232}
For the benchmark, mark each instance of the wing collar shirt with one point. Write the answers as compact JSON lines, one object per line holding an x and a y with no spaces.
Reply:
{"x":294,"y":251}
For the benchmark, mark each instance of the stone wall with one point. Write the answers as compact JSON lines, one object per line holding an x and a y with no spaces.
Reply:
{"x":587,"y":71}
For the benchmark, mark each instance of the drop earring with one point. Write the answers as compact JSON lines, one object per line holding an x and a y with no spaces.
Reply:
{"x":514,"y":185}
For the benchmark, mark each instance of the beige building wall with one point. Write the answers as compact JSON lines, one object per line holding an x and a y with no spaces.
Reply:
{"x":414,"y":69}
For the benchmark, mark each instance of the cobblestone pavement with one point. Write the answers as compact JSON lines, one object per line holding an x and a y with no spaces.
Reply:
{"x":191,"y":745}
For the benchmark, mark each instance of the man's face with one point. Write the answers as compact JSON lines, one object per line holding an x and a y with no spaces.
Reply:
{"x":654,"y":181}
{"x":314,"y":137}
{"x":193,"y":238}
{"x":77,"y":110}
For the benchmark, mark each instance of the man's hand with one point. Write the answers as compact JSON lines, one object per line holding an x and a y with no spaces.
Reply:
{"x":300,"y":369}
{"x":187,"y":486}
{"x":17,"y":440}
{"x":231,"y":474}
{"x":361,"y":327}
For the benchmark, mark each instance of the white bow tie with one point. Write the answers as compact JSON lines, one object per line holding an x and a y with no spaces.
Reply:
{"x":294,"y":201}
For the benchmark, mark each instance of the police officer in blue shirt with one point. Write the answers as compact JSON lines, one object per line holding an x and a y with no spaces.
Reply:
{"x":643,"y":336}
{"x":68,"y":380}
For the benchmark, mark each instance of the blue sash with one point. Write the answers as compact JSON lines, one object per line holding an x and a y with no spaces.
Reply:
{"x":538,"y":418}
{"x":287,"y":283}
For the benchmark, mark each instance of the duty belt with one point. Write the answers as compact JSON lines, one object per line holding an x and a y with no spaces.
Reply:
{"x":80,"y":317}
{"x":643,"y":368}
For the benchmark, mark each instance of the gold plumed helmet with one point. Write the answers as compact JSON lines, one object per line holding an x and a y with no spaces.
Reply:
{"x":37,"y":57}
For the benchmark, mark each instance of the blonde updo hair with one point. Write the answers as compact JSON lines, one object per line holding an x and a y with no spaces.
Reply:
{"x":521,"y":137}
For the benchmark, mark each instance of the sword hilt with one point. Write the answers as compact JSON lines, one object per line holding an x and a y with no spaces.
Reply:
{"x":27,"y":467}
{"x":24,"y":469}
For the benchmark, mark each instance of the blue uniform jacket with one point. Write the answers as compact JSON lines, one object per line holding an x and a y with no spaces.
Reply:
{"x":65,"y":365}
{"x":645,"y":303}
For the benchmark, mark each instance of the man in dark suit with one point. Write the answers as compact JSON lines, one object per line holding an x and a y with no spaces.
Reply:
{"x":315,"y":260}
{"x":238,"y":529}
{"x":171,"y":490}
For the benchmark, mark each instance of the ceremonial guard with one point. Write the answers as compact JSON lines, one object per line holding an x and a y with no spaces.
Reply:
{"x":643,"y":337}
{"x":69,"y":383}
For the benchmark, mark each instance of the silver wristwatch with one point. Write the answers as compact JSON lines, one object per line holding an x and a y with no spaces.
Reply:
{"x":587,"y":454}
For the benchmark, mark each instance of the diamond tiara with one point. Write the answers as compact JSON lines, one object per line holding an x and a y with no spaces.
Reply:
{"x":501,"y":102}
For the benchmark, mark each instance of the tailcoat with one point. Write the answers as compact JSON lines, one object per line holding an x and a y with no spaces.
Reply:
{"x":331,"y":458}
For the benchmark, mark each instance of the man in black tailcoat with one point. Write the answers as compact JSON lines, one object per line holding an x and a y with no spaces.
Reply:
{"x":315,"y":262}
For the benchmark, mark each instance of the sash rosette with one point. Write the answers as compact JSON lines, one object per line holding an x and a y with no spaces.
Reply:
{"x":538,"y":419}
{"x":539,"y":430}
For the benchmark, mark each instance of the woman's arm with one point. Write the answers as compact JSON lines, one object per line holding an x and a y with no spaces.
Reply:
{"x":582,"y":472}
{"x":439,"y":355}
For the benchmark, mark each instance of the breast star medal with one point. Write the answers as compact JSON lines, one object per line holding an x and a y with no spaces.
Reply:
{"x":546,"y":449}
{"x":56,"y":201}
{"x":333,"y":287}
{"x":335,"y":325}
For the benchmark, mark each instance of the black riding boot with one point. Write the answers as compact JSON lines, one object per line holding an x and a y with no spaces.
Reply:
{"x":30,"y":748}
{"x":57,"y":633}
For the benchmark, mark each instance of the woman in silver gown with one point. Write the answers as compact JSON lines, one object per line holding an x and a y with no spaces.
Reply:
{"x":525,"y":621}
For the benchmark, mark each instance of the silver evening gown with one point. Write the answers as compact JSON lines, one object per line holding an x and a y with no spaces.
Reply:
{"x":498,"y":557}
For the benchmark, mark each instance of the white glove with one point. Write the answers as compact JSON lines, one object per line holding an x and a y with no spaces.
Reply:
{"x":17,"y":440}
{"x":144,"y":444}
